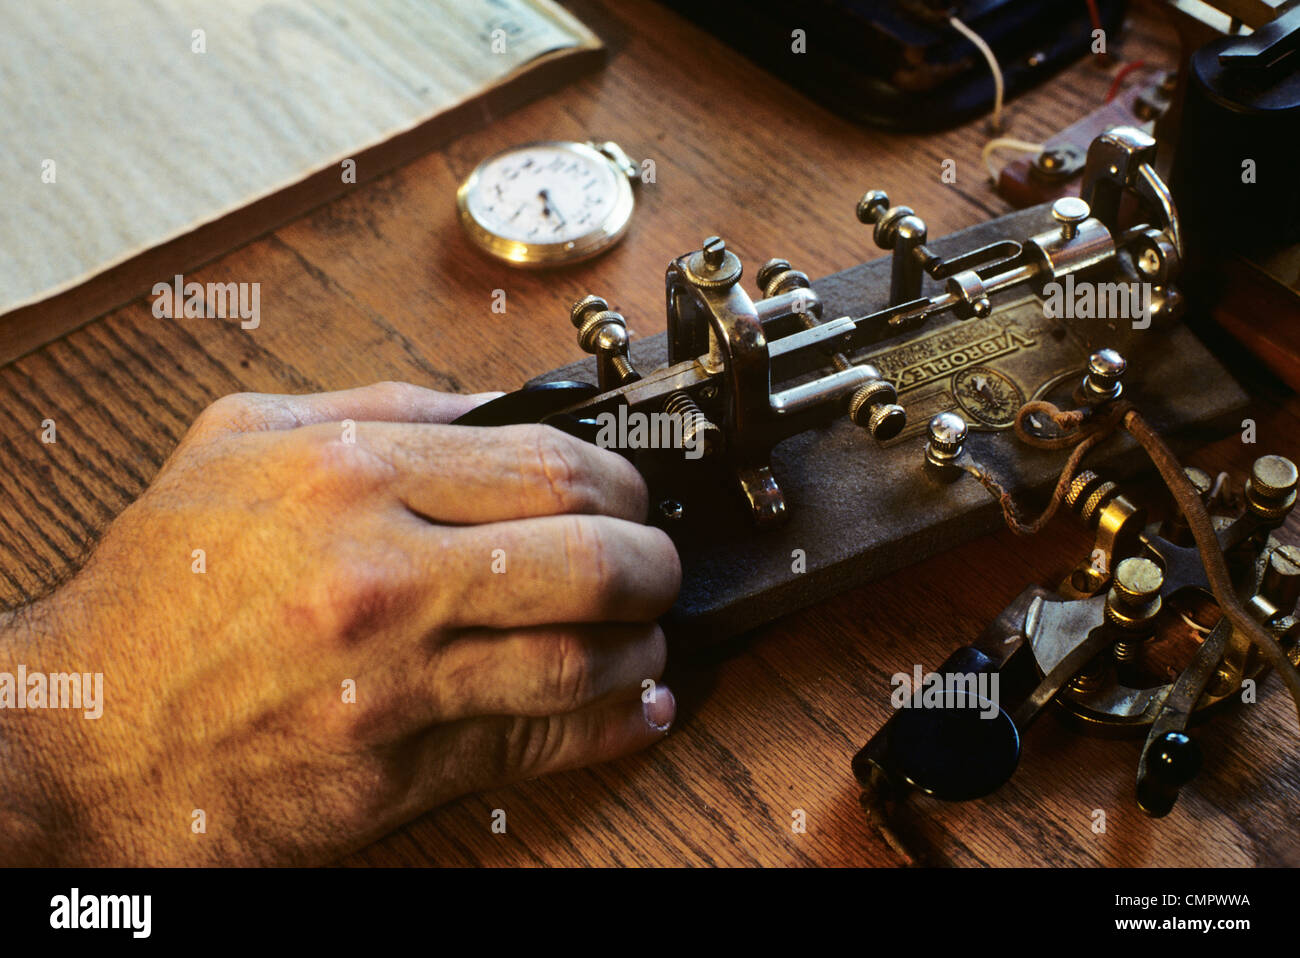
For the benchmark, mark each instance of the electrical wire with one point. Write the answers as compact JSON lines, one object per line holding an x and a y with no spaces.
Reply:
{"x":987,"y":51}
{"x":1223,"y":477}
{"x":1094,"y":15}
{"x":1085,"y":434}
{"x":1216,"y":569}
{"x":1120,"y":76}
{"x":1006,"y":143}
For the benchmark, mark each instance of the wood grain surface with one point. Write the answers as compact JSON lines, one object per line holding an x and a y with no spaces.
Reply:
{"x":380,"y":284}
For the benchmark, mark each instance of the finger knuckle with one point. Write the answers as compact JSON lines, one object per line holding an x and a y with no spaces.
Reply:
{"x":568,"y":681}
{"x":352,"y":599}
{"x":589,"y":560}
{"x":555,"y":476}
{"x":394,"y":393}
{"x":530,"y":742}
{"x":343,"y":726}
{"x":230,"y":413}
{"x":321,"y":463}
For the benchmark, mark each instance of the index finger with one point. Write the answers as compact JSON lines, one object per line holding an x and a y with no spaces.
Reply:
{"x":383,"y":401}
{"x":478,"y":474}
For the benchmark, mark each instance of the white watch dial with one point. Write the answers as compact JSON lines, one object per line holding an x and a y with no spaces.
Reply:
{"x":548,"y":204}
{"x":544,"y":194}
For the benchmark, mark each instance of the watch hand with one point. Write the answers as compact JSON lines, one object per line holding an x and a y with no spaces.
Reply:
{"x":547,"y":209}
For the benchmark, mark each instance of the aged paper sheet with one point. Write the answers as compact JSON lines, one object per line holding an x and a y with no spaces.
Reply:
{"x":127,"y":124}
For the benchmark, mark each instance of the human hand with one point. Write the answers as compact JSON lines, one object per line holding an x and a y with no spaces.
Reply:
{"x":386,"y":612}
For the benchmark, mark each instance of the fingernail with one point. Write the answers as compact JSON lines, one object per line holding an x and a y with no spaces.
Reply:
{"x":481,"y":398}
{"x":661,"y":709}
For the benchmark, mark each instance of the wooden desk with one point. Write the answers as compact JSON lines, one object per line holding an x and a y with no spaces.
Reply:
{"x":381,"y":285}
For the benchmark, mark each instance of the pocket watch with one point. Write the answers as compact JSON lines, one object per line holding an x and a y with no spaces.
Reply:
{"x":550,"y":203}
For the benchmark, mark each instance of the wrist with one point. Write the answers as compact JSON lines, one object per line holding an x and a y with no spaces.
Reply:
{"x":38,"y":814}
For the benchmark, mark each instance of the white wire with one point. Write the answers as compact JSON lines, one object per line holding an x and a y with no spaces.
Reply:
{"x":1218,"y":486}
{"x":985,"y":49}
{"x":1006,"y":143}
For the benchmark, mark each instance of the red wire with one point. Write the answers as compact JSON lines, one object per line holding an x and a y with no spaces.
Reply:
{"x":1124,"y":71}
{"x":1094,"y":14}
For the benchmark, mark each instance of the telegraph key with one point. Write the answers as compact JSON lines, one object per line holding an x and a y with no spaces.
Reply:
{"x":805,"y":415}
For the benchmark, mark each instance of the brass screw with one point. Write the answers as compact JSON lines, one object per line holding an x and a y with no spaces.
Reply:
{"x":713,"y":266}
{"x":715,"y":251}
{"x":1070,"y":211}
{"x":1089,"y":680}
{"x":1281,"y":582}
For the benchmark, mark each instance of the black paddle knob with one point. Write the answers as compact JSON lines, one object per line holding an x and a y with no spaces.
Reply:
{"x":965,"y":749}
{"x":1175,"y":759}
{"x":534,"y":403}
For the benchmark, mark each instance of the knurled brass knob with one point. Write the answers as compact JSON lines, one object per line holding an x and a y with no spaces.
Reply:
{"x":872,"y":206}
{"x":593,"y":323}
{"x":713,"y":266}
{"x":886,"y":421}
{"x":590,"y":303}
{"x":777,"y":276}
{"x":769,"y":271}
{"x":1088,"y":494}
{"x":1271,"y":488}
{"x":603,"y":333}
{"x":874,"y":406}
{"x":1273,"y":476}
{"x":1080,"y":488}
{"x":1097,"y":500}
{"x":1133,"y":601}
